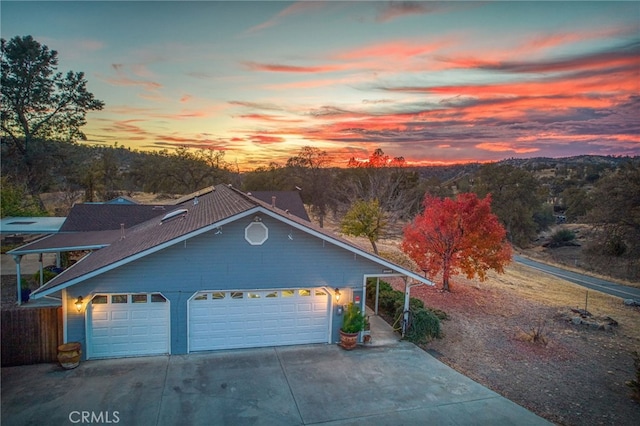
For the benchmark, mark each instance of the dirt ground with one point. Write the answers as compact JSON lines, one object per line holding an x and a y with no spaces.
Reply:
{"x":577,"y":378}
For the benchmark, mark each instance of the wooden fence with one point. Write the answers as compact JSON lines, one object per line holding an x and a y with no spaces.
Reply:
{"x":30,"y":335}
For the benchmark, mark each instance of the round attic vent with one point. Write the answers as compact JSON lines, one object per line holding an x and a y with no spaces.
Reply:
{"x":256,"y":233}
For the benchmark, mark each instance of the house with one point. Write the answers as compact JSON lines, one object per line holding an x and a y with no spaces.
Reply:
{"x":220,"y":270}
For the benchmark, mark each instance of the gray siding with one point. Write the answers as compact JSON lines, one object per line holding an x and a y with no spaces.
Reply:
{"x":228,"y":261}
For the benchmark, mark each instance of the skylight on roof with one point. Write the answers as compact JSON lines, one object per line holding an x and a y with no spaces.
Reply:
{"x":175,"y":213}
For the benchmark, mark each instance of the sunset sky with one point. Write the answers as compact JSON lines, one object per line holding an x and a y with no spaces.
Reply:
{"x":434,"y":82}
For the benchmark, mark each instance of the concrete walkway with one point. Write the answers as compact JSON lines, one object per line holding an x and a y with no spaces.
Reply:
{"x":392,"y":383}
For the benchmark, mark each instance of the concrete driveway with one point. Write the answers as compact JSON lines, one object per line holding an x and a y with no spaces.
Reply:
{"x":297,"y":385}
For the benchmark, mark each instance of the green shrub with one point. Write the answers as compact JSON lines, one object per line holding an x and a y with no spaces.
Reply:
{"x":353,"y":320}
{"x":387,"y":300}
{"x":562,"y":237}
{"x":424,"y":327}
{"x":371,"y":288}
{"x":442,"y":315}
{"x":425,"y":322}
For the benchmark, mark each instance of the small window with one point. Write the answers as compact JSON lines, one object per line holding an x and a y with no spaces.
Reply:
{"x":201,"y":296}
{"x":320,"y":293}
{"x":251,"y":295}
{"x":287,"y":293}
{"x":237,"y":295}
{"x":99,"y":300}
{"x":272,"y":294}
{"x":304,"y":292}
{"x":158,"y":298}
{"x":256,"y":233}
{"x":217,"y":295}
{"x":119,"y":298}
{"x":138,"y":298}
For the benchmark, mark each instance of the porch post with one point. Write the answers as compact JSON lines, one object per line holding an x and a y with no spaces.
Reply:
{"x":407,"y":289}
{"x":17,"y":258}
{"x":41,"y":270}
{"x":377,"y":292}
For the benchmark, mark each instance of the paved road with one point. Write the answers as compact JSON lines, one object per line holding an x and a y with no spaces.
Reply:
{"x":587,"y":281}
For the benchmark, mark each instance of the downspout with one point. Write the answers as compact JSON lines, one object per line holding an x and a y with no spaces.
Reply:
{"x":17,"y":258}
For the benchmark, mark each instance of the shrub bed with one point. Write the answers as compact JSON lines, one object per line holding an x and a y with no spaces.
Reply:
{"x":424,"y":322}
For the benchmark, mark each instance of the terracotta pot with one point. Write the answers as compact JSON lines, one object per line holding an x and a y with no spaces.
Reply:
{"x":348,"y":341}
{"x":69,"y":355}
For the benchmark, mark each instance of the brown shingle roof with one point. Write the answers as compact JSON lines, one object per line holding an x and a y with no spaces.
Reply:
{"x":285,"y":200}
{"x":210,"y":209}
{"x":102,"y":217}
{"x":213,"y":207}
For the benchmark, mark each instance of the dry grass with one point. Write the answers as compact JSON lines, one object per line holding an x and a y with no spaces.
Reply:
{"x":529,"y":284}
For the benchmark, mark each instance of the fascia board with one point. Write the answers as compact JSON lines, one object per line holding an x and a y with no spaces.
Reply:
{"x":57,"y":249}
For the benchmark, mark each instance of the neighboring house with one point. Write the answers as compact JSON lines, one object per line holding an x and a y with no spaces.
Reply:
{"x":221,"y":270}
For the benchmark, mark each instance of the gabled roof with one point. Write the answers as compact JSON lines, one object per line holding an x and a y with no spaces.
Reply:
{"x":220,"y":206}
{"x":284,"y":200}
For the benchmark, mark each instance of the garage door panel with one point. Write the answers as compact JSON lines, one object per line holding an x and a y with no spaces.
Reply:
{"x":259,"y":318}
{"x":128,"y":329}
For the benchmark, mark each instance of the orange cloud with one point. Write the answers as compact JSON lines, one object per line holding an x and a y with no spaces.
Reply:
{"x":504,"y":147}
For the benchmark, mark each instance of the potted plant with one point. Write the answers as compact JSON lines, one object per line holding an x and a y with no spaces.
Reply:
{"x":352,"y":324}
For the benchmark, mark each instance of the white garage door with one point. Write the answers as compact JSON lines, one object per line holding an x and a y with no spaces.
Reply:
{"x":245,"y":319}
{"x":120,"y":325}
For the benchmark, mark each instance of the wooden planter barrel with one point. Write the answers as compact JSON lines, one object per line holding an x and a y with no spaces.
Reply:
{"x":69,"y":355}
{"x":348,"y":341}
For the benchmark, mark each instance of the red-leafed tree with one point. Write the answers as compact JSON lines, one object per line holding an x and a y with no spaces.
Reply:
{"x":457,"y":236}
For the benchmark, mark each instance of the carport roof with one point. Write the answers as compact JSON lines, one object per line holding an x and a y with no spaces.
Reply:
{"x":31,"y":225}
{"x":201,"y":214}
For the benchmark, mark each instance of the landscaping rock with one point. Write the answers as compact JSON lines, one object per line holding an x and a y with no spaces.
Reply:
{"x":632,"y":302}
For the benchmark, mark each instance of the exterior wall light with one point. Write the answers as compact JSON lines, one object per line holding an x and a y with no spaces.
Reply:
{"x":337,"y":294}
{"x":79,"y":303}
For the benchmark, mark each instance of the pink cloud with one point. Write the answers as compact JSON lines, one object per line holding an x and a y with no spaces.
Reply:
{"x":393,"y":49}
{"x":255,"y":66}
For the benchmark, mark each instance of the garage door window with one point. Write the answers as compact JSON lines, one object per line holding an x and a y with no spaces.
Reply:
{"x":217,"y":295}
{"x":272,"y":294}
{"x":99,"y":300}
{"x":304,"y":292}
{"x":237,"y":295}
{"x":158,"y":298}
{"x":119,"y":298}
{"x":288,"y":293}
{"x":139,"y":298}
